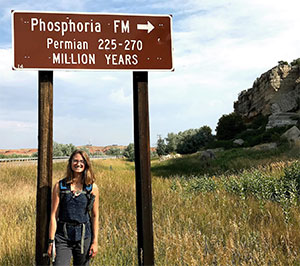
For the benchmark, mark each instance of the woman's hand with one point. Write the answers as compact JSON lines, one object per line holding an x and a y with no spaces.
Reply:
{"x":53,"y":217}
{"x":95,"y":222}
{"x":93,"y":250}
{"x":49,"y":251}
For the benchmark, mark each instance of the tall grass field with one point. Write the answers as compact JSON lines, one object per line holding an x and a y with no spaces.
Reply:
{"x":245,"y":214}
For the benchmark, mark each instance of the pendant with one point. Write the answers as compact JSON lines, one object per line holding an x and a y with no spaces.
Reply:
{"x":77,"y":193}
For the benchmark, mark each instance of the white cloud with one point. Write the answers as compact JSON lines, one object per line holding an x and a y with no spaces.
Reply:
{"x":118,"y":96}
{"x":80,"y":131}
{"x":7,"y":75}
{"x":16,"y":125}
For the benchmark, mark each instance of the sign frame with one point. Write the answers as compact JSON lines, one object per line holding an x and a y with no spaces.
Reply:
{"x":145,"y":245}
{"x":171,"y":68}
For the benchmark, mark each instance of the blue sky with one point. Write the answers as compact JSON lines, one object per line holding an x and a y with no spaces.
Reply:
{"x":220,"y":48}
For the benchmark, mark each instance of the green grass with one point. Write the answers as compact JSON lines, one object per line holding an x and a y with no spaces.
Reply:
{"x":228,"y":161}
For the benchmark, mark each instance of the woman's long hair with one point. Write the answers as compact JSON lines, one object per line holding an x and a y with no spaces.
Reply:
{"x":88,"y":174}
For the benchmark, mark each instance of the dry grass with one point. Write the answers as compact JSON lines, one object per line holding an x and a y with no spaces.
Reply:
{"x":17,"y":220}
{"x":202,"y":229}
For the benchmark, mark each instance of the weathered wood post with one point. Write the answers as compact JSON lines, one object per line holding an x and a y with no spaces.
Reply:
{"x":44,"y":178}
{"x":142,"y":169}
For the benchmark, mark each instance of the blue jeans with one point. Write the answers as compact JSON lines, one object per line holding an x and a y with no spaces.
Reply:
{"x":65,"y":249}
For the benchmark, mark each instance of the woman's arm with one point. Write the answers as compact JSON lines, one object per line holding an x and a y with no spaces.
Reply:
{"x":95,"y":222}
{"x":53,"y":216}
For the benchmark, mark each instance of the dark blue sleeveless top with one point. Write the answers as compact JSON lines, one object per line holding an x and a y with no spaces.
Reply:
{"x":73,"y":213}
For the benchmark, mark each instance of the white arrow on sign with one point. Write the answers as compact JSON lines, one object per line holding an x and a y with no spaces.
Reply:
{"x":147,"y":26}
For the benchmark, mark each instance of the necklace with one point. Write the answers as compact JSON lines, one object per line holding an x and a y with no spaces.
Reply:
{"x":76,"y":193}
{"x":77,"y":189}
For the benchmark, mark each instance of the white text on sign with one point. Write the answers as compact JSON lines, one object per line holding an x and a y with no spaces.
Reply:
{"x":119,"y":26}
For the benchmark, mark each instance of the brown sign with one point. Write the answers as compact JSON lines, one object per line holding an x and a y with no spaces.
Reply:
{"x":90,"y":41}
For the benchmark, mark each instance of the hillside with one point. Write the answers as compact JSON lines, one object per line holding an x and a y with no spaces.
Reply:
{"x":29,"y":152}
{"x":26,"y":152}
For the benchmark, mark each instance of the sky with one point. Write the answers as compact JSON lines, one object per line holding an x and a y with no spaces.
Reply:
{"x":219,"y":49}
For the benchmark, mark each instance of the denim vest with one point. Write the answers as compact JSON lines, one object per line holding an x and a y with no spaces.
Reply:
{"x":73,"y":217}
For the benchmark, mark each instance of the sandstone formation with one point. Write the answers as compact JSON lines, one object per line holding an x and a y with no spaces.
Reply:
{"x":276,"y":94}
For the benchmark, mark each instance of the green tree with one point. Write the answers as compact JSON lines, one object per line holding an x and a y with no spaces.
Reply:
{"x":57,"y":149}
{"x":161,"y":147}
{"x":229,"y":126}
{"x":172,"y":141}
{"x":114,"y":151}
{"x":68,"y":149}
{"x":129,"y":152}
{"x":193,"y":140}
{"x":63,"y":149}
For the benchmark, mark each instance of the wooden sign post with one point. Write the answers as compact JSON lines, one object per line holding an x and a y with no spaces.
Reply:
{"x":44,"y":178}
{"x":142,"y":169}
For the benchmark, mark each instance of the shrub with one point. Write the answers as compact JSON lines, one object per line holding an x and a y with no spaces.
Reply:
{"x":161,"y":147}
{"x":229,"y":126}
{"x":63,"y":149}
{"x":194,"y":184}
{"x":172,"y":141}
{"x":296,"y":62}
{"x":226,"y":144}
{"x":114,"y":151}
{"x":259,"y":121}
{"x":281,"y":62}
{"x":186,"y":142}
{"x":255,"y":183}
{"x":249,"y":183}
{"x":193,"y":140}
{"x":260,"y":135}
{"x":292,"y":172}
{"x":129,"y":152}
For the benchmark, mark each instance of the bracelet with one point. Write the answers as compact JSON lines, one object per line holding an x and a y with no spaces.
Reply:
{"x":50,"y":241}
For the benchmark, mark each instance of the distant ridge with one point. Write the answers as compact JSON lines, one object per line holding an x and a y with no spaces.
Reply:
{"x":29,"y":152}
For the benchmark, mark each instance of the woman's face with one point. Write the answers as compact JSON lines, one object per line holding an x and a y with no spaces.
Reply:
{"x":78,"y":164}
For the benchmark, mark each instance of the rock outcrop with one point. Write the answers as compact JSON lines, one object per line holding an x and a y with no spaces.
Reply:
{"x":275,"y":94}
{"x":292,"y":135}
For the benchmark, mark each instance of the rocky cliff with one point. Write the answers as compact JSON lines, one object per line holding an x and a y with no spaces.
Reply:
{"x":276,"y":94}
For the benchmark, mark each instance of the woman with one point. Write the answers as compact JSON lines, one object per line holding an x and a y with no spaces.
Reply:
{"x":72,"y":230}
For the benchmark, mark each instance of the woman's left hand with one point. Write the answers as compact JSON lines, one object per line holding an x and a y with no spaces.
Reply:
{"x":93,"y":250}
